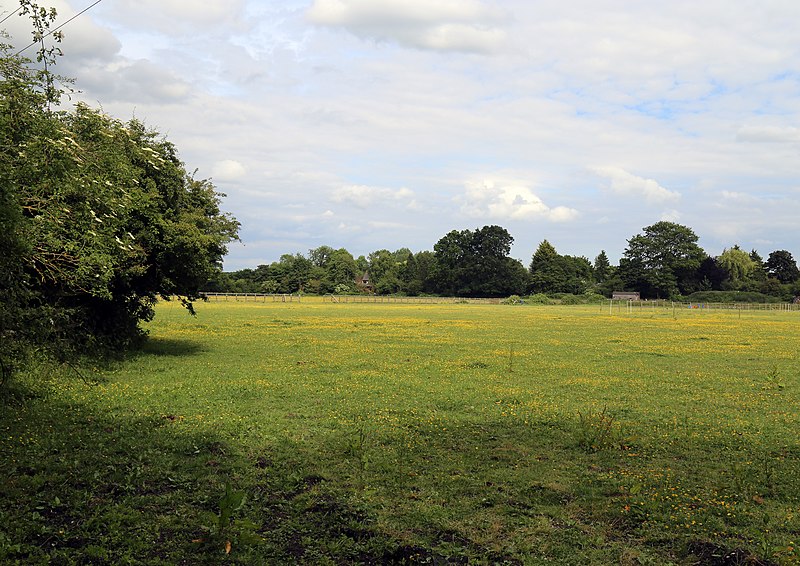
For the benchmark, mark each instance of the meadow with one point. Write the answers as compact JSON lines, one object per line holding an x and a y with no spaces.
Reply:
{"x":320,"y":433}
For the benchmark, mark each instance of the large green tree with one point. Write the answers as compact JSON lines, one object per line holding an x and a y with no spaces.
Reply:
{"x":410,"y":281}
{"x":547,"y":272}
{"x":292,"y":272}
{"x":384,"y":271}
{"x":320,"y":256}
{"x":99,"y":219}
{"x":341,"y":270}
{"x":759,"y":274}
{"x":551,"y":272}
{"x":424,"y":271}
{"x":602,"y":267}
{"x":476,"y":264}
{"x":662,"y":261}
{"x":739,"y":266}
{"x":781,"y":265}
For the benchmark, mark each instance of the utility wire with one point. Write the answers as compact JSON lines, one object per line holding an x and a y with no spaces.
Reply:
{"x":11,"y":14}
{"x":52,"y":31}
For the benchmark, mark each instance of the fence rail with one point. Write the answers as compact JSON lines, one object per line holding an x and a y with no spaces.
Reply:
{"x":410,"y":300}
{"x":292,"y":298}
{"x":634,"y":306}
{"x":254,"y":297}
{"x":609,"y":304}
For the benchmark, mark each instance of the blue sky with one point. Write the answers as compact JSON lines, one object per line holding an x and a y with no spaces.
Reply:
{"x":370,"y":124}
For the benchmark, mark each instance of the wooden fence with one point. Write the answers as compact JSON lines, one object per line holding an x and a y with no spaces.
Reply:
{"x":613,"y":305}
{"x":387,"y":299}
{"x":409,"y":300}
{"x":253,"y":297}
{"x":610,"y":305}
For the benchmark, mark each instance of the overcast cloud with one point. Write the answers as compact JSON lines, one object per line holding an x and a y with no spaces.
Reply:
{"x":371,"y":124}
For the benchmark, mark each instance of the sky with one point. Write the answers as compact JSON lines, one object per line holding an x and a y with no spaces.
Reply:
{"x":372,"y":124}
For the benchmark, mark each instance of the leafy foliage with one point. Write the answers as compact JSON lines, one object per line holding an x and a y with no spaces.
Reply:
{"x":555,"y":273}
{"x":661,"y":261}
{"x":781,"y":265}
{"x":476,"y":264}
{"x":664,"y":261}
{"x":730,"y":297}
{"x":738,"y":263}
{"x":602,"y":267}
{"x":99,"y":218}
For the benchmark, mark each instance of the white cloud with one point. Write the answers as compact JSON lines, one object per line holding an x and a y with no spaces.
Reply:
{"x":387,"y":225}
{"x":175,"y":17}
{"x":737,"y":197}
{"x":628,"y":185}
{"x":363,"y":196}
{"x":510,"y":201}
{"x":83,"y":38}
{"x":306,"y":93}
{"x":228,"y":170}
{"x":143,"y":80}
{"x":349,"y":228}
{"x":446,"y":25}
{"x":302,"y":218}
{"x":670,"y":216}
{"x":768,"y":134}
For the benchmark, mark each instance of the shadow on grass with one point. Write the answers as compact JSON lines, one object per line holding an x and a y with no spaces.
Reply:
{"x":79,"y":484}
{"x":170,"y":347}
{"x":84,"y":485}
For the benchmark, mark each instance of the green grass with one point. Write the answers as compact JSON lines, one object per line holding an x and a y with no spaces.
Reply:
{"x":437,"y":434}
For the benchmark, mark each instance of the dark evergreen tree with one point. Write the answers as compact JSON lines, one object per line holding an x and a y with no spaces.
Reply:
{"x":760,"y":272}
{"x":547,"y":272}
{"x":710,"y":276}
{"x":602,"y":267}
{"x":554,"y":273}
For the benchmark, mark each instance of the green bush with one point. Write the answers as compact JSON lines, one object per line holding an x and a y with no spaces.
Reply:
{"x":730,"y":297}
{"x":570,"y":299}
{"x":540,"y":299}
{"x":99,"y":219}
{"x":343,"y":289}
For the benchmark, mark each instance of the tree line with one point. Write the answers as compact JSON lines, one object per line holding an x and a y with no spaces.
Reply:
{"x":663,"y":261}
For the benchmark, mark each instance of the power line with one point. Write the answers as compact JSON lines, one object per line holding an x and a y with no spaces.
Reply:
{"x":11,"y":14}
{"x":52,"y":31}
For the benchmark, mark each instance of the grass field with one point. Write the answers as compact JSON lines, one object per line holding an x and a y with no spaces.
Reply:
{"x":320,"y":433}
